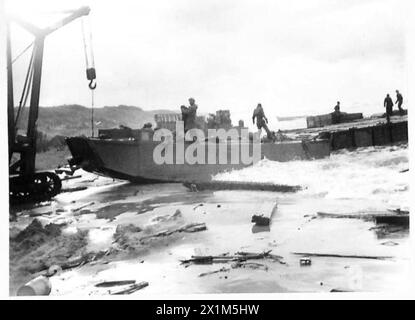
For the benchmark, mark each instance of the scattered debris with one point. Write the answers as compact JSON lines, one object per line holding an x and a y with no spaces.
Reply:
{"x":38,"y":248}
{"x":215,"y":271}
{"x":83,"y":259}
{"x":250,"y":265}
{"x":257,"y":228}
{"x":108,"y":284}
{"x":333,"y":255}
{"x":389,"y":243}
{"x":263,"y":221}
{"x":53,"y":270}
{"x":305,"y":262}
{"x":191,"y":227}
{"x":35,"y":233}
{"x":122,"y":230}
{"x":260,"y":220}
{"x":340,"y":290}
{"x":131,"y":238}
{"x":39,"y":286}
{"x":132,"y":288}
{"x":237,"y":257}
{"x":237,"y":185}
{"x":92,"y":180}
{"x":168,"y":217}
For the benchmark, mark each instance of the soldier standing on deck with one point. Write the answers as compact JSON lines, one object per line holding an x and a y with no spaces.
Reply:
{"x":261,"y":120}
{"x":189,"y":115}
{"x":388,"y":104}
{"x":184,"y":111}
{"x":336,"y":115}
{"x":399,"y":101}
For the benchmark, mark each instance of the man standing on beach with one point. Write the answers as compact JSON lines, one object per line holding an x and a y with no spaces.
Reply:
{"x":388,"y":104}
{"x":261,"y":120}
{"x":399,"y":101}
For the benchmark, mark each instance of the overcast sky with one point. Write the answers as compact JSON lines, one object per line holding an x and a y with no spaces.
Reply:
{"x":295,"y":57}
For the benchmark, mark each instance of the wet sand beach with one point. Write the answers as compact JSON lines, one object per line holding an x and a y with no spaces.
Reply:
{"x":133,"y":231}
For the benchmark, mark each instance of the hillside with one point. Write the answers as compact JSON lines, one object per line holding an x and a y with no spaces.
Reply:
{"x":70,"y":120}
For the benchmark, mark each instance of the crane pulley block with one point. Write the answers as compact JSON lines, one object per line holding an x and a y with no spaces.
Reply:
{"x":91,"y":76}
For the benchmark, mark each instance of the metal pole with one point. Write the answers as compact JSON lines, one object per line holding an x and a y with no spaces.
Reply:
{"x":10,"y":96}
{"x":34,"y":106}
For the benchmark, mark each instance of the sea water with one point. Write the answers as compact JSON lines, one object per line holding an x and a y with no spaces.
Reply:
{"x":374,"y":174}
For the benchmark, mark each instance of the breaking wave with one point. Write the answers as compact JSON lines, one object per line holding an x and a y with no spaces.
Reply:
{"x":373,"y":173}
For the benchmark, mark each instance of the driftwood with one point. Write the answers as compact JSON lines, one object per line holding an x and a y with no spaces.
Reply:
{"x":333,"y":255}
{"x":91,"y":180}
{"x":215,"y":271}
{"x":107,"y":284}
{"x":73,"y":189}
{"x":237,"y":185}
{"x":132,"y":288}
{"x":237,"y":257}
{"x":250,"y":265}
{"x":199,"y":205}
{"x":38,"y":214}
{"x":191,"y":227}
{"x":237,"y":263}
{"x":82,"y":260}
{"x":83,"y":206}
{"x":340,"y":290}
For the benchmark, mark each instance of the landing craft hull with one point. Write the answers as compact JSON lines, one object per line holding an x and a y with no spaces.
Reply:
{"x":133,"y":160}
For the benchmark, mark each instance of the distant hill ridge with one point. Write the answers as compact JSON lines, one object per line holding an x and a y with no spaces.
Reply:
{"x":72,"y":120}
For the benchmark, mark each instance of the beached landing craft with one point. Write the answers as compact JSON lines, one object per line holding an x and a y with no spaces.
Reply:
{"x":128,"y":154}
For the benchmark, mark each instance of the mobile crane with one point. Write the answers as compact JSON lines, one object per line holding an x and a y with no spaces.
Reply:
{"x":25,"y":183}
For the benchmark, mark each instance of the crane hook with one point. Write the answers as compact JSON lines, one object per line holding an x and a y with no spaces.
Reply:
{"x":92,"y":84}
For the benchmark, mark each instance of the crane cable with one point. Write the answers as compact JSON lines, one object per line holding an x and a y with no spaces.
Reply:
{"x":92,"y":113}
{"x":21,"y":53}
{"x":25,"y":91}
{"x":90,"y":69}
